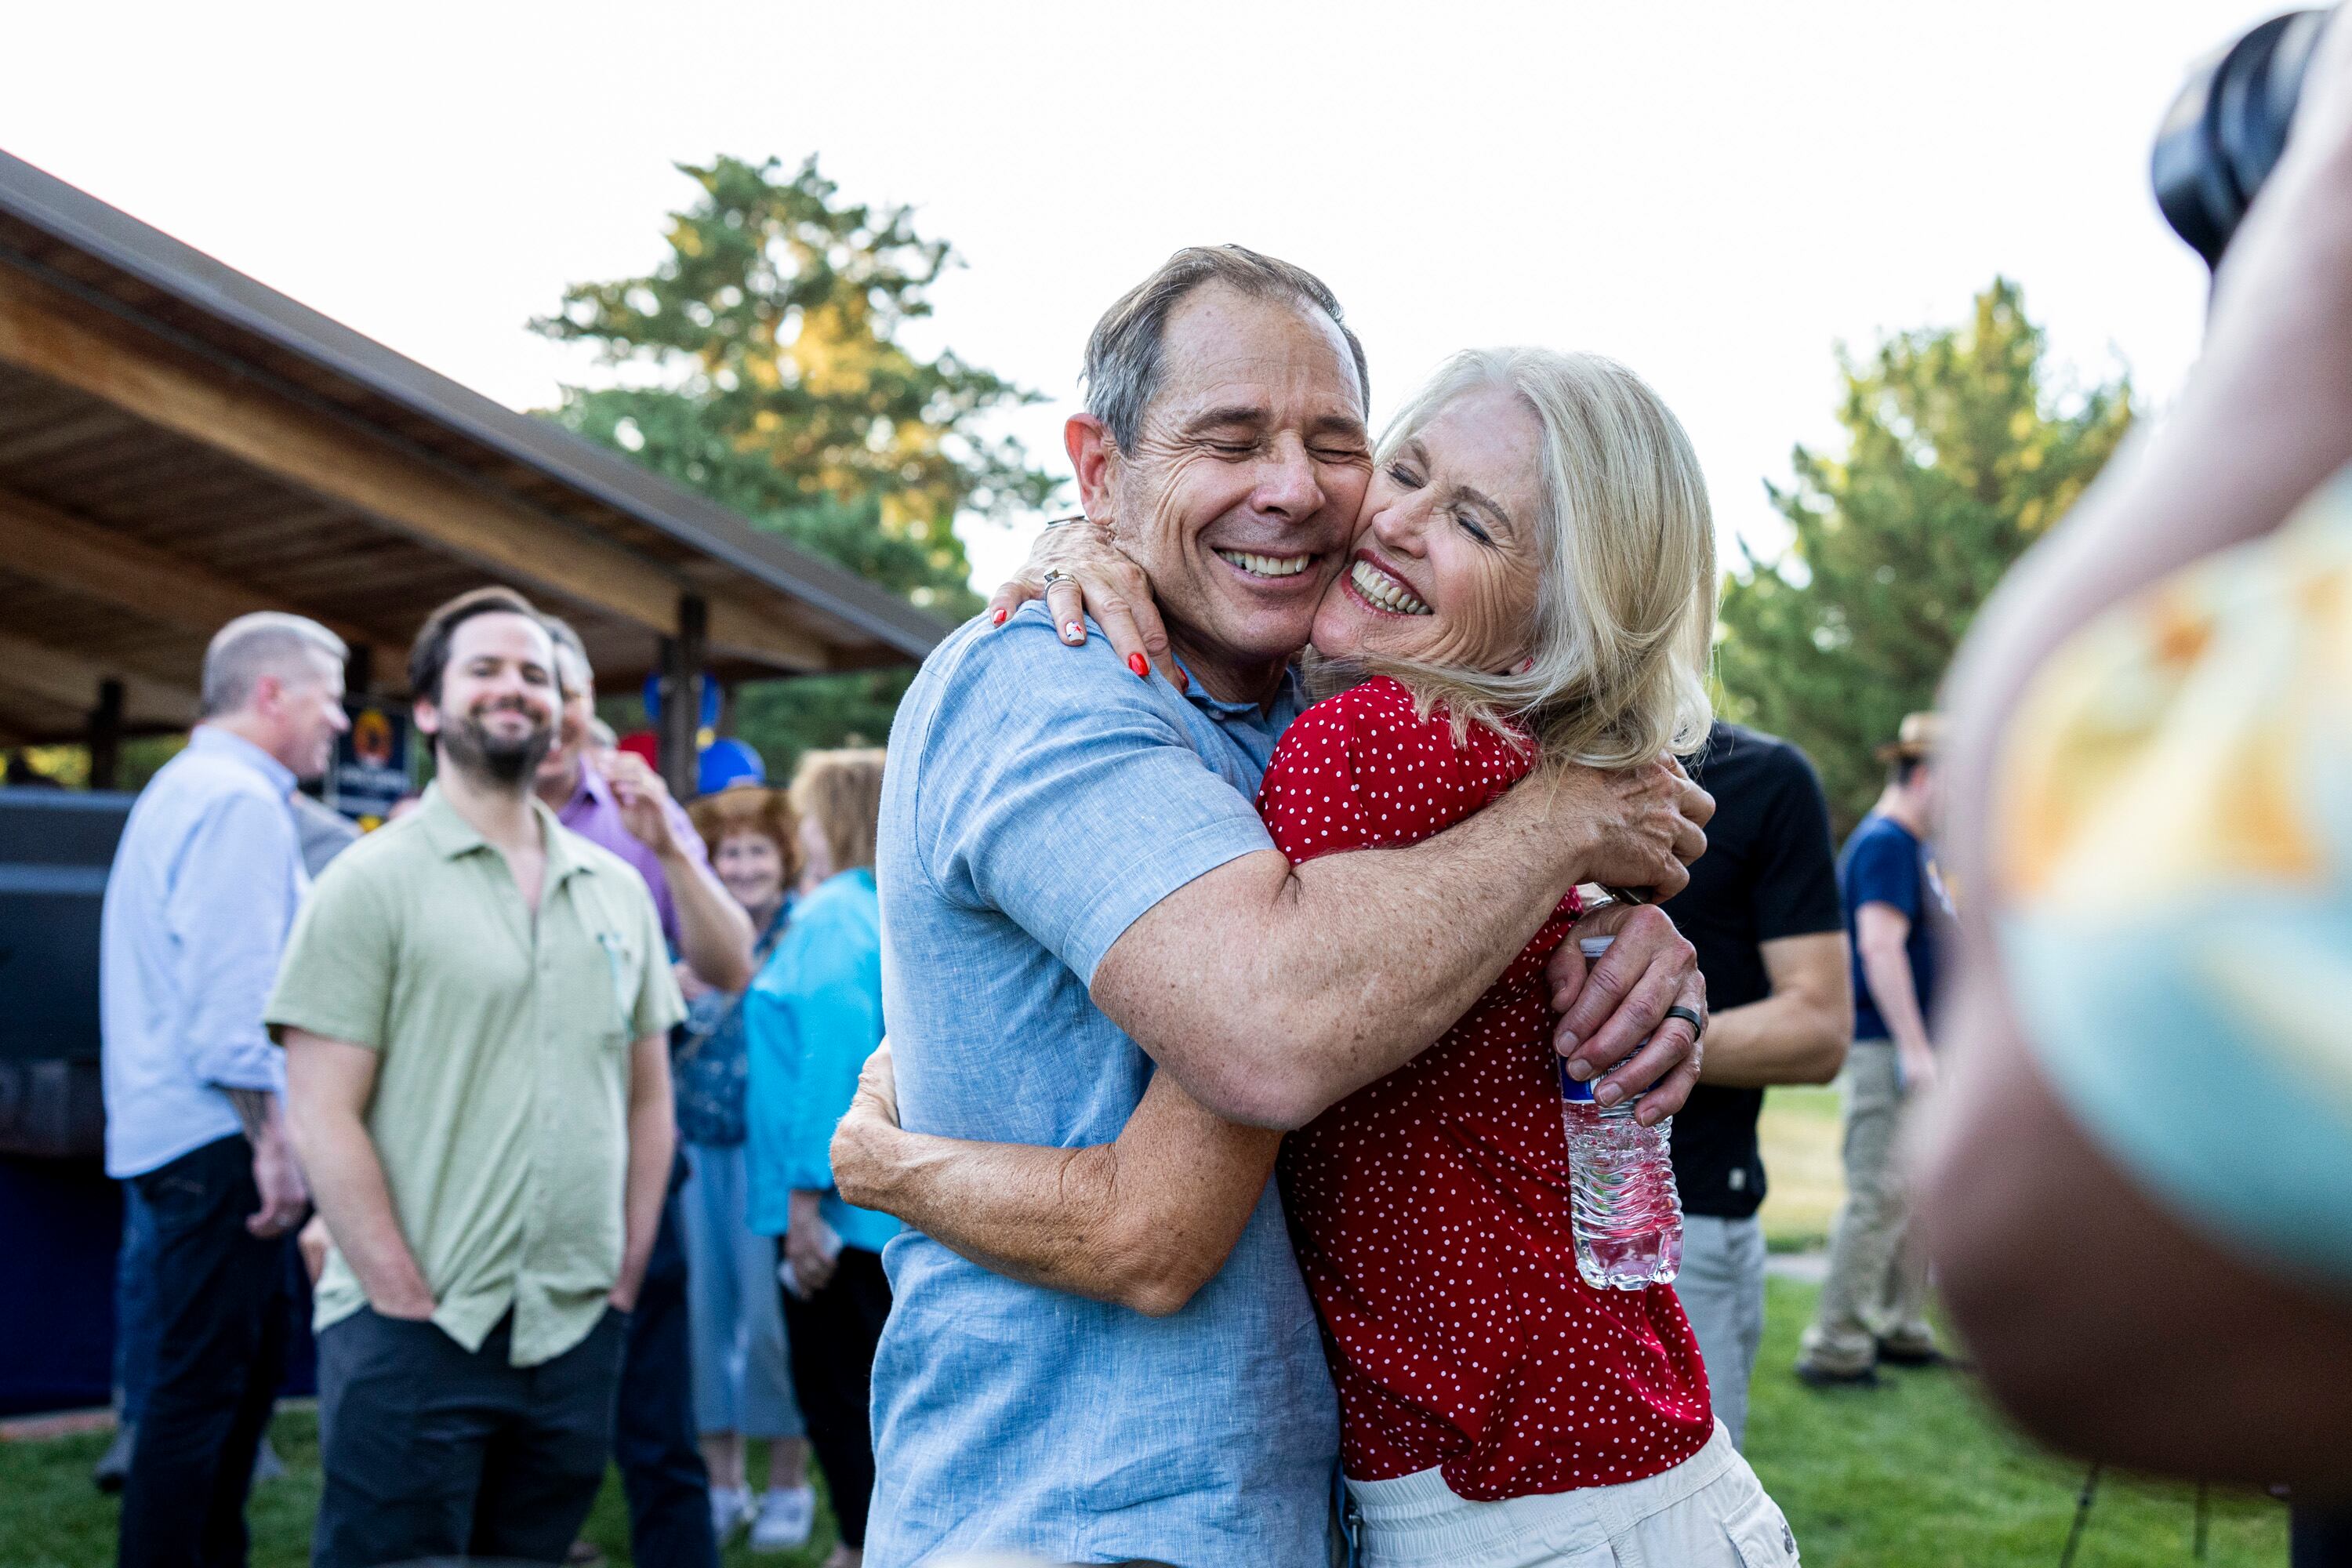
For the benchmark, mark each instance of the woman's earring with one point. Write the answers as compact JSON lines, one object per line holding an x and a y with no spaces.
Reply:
{"x":1526,"y":665}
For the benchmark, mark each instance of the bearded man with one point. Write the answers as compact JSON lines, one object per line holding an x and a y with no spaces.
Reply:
{"x":475,"y":1006}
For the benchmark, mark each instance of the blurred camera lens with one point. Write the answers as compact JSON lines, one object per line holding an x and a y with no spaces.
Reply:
{"x":2226,"y":129}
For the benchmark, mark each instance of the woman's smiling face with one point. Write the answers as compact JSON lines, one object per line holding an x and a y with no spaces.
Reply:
{"x":1445,"y":565}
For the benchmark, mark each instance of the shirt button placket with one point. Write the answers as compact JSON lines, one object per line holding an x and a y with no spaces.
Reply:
{"x":535,"y":1219}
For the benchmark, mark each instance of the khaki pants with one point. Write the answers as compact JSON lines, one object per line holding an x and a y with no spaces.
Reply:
{"x":1878,"y":1284}
{"x":1709,"y":1512}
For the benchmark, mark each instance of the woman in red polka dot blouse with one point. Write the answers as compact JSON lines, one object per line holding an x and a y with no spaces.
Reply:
{"x":1532,"y":580}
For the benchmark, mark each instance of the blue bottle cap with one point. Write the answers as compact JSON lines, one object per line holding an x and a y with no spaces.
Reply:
{"x":1571,"y":1089}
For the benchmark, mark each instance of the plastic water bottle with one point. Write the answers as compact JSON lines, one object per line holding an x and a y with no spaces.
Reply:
{"x":1628,"y":1216}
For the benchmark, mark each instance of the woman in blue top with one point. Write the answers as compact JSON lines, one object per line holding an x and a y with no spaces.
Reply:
{"x":742,"y":1376}
{"x":811,"y":1018}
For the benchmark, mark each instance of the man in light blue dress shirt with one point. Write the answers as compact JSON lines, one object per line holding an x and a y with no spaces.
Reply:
{"x":199,"y":901}
{"x":1075,"y":888}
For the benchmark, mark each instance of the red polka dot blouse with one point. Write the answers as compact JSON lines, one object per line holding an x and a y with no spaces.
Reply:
{"x":1430,"y":1210}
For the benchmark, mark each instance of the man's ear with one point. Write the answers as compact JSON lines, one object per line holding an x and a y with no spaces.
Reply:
{"x":1094,"y":456}
{"x":426,"y":714}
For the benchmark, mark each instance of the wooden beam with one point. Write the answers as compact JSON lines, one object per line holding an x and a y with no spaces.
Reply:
{"x":71,"y":682}
{"x":55,"y":547}
{"x":681,"y":714}
{"x":50,"y":333}
{"x":735,"y":628}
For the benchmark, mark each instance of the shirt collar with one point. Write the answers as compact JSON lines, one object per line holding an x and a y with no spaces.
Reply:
{"x":1288,"y":699}
{"x":589,"y":790}
{"x":452,"y":835}
{"x":212,"y":740}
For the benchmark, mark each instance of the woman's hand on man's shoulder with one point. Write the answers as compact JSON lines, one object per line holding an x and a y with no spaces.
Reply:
{"x":1093,"y":577}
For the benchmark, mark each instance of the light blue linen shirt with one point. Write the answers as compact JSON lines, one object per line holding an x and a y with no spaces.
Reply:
{"x":202,"y":891}
{"x":812,"y":1015}
{"x":1038,"y":799}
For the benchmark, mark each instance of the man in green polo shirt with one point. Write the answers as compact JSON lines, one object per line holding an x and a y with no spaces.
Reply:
{"x":474,"y":1003}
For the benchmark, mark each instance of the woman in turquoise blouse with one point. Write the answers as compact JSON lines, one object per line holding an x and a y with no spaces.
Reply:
{"x":811,"y":1019}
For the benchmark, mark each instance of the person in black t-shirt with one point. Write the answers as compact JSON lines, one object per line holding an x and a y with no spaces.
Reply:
{"x":1763,"y":910}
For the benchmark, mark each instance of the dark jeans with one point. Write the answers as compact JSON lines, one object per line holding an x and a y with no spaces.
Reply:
{"x":832,"y":1337}
{"x":653,"y":1435}
{"x":219,"y":1311}
{"x":431,"y":1450}
{"x":134,"y":1305}
{"x":2318,"y":1538}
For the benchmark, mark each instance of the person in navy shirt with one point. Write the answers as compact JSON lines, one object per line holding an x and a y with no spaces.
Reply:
{"x":1873,"y":1305}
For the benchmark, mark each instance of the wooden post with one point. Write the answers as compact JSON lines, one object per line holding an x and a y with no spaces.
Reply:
{"x":681,"y":714}
{"x":106,"y":735}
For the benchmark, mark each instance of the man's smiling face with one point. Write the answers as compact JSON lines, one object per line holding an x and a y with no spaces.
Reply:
{"x":1240,"y":497}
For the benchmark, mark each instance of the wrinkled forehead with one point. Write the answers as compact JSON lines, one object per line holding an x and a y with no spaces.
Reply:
{"x":1280,"y":357}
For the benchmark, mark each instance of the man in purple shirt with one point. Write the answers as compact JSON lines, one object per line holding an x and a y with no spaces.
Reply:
{"x":614,"y":800}
{"x":617,"y":803}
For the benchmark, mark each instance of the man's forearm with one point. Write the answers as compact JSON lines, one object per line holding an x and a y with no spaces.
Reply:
{"x":258,"y":1112}
{"x":1025,"y":1211}
{"x":1788,"y":1038}
{"x":714,"y":934}
{"x":1305,"y":983}
{"x":1888,"y":976}
{"x":1143,"y":1222}
{"x":348,"y":1189}
{"x":652,"y":1147}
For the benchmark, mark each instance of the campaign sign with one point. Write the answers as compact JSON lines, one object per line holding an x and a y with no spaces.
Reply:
{"x":370,"y":769}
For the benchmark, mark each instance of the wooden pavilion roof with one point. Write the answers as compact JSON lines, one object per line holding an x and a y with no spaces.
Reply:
{"x":179,"y":445}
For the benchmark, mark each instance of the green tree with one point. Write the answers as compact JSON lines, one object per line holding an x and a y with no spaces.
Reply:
{"x":760,"y":364}
{"x":1962,"y":452}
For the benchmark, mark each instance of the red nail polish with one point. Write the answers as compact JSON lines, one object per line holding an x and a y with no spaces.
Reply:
{"x":1142,"y":670}
{"x":997,"y":618}
{"x":1183,"y":681}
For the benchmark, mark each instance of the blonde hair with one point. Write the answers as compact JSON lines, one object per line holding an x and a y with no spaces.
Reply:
{"x":1624,"y":616}
{"x":841,"y":792}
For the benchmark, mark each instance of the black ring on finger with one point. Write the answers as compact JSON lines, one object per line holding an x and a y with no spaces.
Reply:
{"x":1698,"y":1023}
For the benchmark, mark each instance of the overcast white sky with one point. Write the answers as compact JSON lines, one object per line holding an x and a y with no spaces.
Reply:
{"x":1714,"y":193}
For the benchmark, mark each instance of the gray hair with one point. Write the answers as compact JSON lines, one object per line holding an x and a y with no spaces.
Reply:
{"x":1624,"y":621}
{"x":1122,"y":367}
{"x":266,"y":642}
{"x":567,"y":641}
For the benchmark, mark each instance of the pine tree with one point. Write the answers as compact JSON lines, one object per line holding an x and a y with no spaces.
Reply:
{"x":763,"y":369}
{"x":1960,"y":454}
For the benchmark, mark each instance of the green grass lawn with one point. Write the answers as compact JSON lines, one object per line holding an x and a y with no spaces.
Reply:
{"x":1916,"y":1474}
{"x":1920,"y":1473}
{"x":51,"y":1517}
{"x":1804,"y":1170}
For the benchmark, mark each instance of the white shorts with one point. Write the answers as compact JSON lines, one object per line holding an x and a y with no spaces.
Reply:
{"x":1709,"y":1512}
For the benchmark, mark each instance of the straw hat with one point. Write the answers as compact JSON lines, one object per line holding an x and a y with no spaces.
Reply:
{"x":1921,"y":735}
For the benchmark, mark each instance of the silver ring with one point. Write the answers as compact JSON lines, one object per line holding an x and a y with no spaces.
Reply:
{"x":1056,"y":574}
